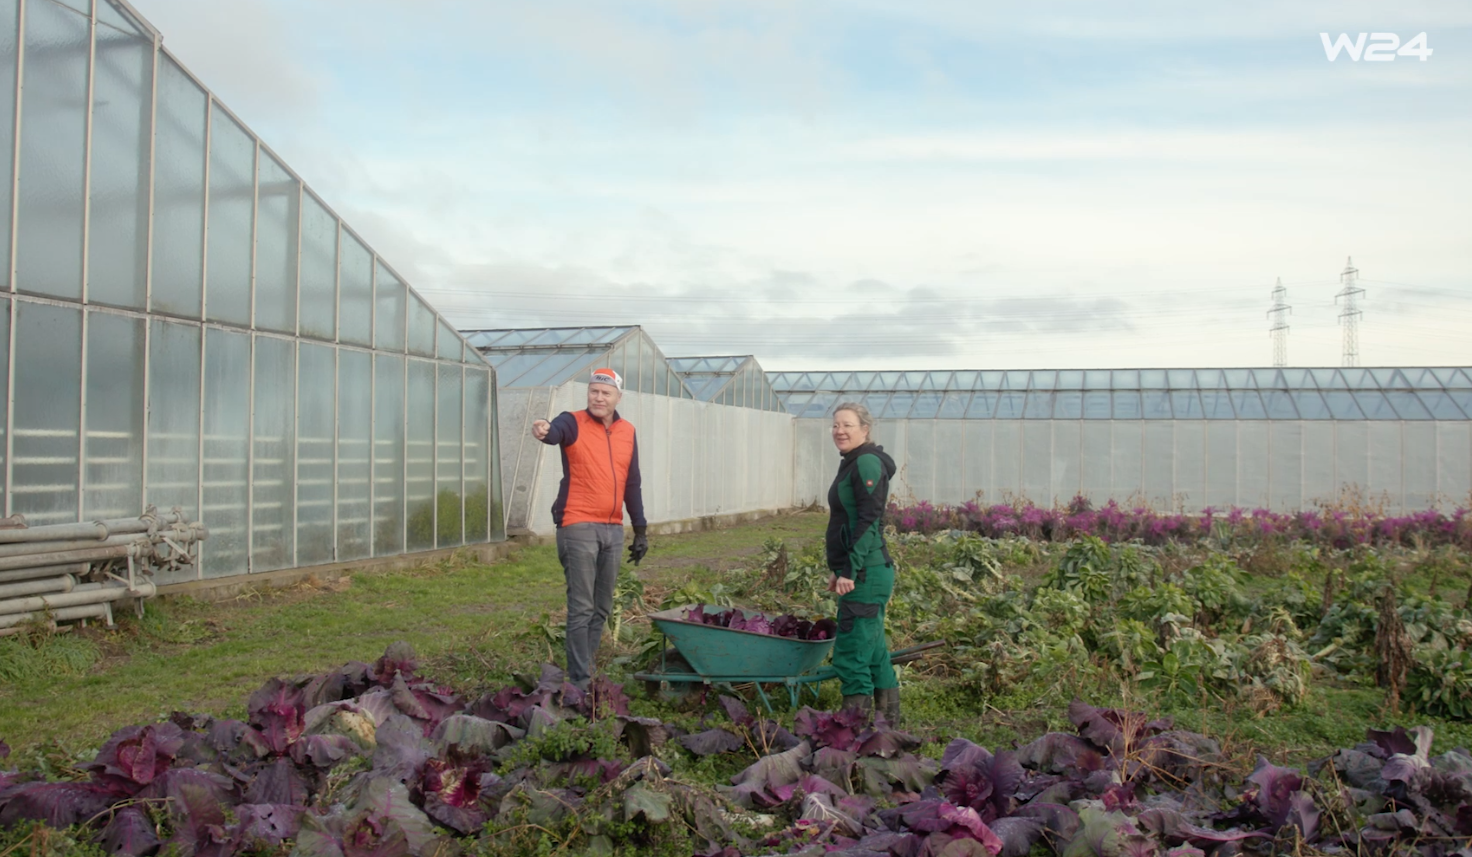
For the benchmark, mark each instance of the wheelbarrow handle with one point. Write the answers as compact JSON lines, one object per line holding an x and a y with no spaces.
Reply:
{"x":914,"y":653}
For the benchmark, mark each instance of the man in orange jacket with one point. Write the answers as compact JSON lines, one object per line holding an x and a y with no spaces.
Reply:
{"x":600,"y":476}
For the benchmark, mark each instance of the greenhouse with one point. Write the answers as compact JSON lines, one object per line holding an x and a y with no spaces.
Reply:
{"x":188,"y":325}
{"x":728,"y":380}
{"x":713,"y":439}
{"x":1170,"y":438}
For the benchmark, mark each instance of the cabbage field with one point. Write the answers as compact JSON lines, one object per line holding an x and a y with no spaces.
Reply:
{"x":1233,"y":688}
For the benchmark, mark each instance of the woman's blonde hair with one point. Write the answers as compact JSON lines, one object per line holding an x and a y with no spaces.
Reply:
{"x":866,"y":419}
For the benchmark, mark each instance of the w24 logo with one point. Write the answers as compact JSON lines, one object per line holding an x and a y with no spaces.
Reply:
{"x":1383,"y":47}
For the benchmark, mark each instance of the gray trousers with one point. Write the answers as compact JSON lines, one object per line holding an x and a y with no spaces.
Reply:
{"x":590,"y":555}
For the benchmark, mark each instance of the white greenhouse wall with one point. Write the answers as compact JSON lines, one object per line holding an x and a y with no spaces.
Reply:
{"x":697,"y":459}
{"x":1185,"y":464}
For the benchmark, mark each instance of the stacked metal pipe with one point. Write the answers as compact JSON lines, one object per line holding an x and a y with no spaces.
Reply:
{"x":78,"y":571}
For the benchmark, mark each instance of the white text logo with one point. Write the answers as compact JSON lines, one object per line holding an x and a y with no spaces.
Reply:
{"x":1382,"y":47}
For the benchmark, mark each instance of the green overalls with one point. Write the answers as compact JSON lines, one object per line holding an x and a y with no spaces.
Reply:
{"x":856,"y":550}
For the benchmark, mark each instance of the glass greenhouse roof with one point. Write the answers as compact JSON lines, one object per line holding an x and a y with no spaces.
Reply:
{"x":553,"y":356}
{"x":1215,"y":394}
{"x":730,"y":380}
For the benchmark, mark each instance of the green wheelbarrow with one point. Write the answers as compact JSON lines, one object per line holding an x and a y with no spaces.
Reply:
{"x":712,"y":655}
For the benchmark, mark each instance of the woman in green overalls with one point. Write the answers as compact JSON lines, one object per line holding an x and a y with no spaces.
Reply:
{"x":863,"y":574}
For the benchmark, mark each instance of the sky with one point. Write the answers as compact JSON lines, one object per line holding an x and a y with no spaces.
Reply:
{"x":884,"y":184}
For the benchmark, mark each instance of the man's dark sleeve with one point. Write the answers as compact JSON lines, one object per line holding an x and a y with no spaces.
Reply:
{"x":564,"y":430}
{"x":633,"y":495}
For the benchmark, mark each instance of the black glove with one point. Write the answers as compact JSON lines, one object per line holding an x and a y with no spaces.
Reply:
{"x":640,"y":545}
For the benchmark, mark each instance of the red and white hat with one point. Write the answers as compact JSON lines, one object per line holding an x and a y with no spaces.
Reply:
{"x":607,"y":376}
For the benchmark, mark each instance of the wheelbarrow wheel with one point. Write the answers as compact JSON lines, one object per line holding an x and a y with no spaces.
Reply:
{"x":670,"y":691}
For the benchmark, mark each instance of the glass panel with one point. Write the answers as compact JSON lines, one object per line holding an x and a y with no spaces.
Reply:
{"x":647,"y":360}
{"x":1127,"y":405}
{"x":1070,"y":379}
{"x":122,"y":96}
{"x":226,"y":451}
{"x":355,"y":292}
{"x":273,"y":452}
{"x":392,"y":296}
{"x":114,"y":446}
{"x":1298,"y":378}
{"x":1097,"y":406}
{"x":795,"y":403}
{"x":178,"y":193}
{"x":315,"y":469}
{"x":47,"y":410}
{"x":1463,"y":400}
{"x":1359,"y":379}
{"x":318,"y":270}
{"x":926,"y":406}
{"x":448,"y":467}
{"x":953,"y":406}
{"x":447,"y":344}
{"x":1216,"y":404}
{"x":388,"y":455}
{"x":821,"y":404}
{"x":1096,"y":379}
{"x":1186,"y":405}
{"x":1452,"y":378}
{"x":1239,"y":379}
{"x":1421,"y":378}
{"x":1039,"y":406}
{"x":1374,"y":405}
{"x":898,"y":407}
{"x":1042,"y":379}
{"x":661,"y":381}
{"x":354,"y":453}
{"x":1388,"y":378}
{"x":1155,"y":405}
{"x":1210,"y":379}
{"x":1407,"y":405}
{"x":1310,"y":405}
{"x":276,"y":247}
{"x":477,"y":428}
{"x":1153,"y":379}
{"x":52,"y":154}
{"x":1008,"y":405}
{"x":1181,"y":379}
{"x":232,"y":201}
{"x":1278,"y":405}
{"x":111,"y":15}
{"x":9,"y":46}
{"x":1270,"y":379}
{"x":421,"y":326}
{"x":1248,"y":405}
{"x":1068,"y":406}
{"x":1327,"y":378}
{"x":83,"y":6}
{"x":1441,"y":406}
{"x":173,"y":417}
{"x":1342,"y":406}
{"x":419,"y":473}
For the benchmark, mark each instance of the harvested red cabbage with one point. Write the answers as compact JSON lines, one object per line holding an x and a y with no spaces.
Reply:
{"x":757,"y":623}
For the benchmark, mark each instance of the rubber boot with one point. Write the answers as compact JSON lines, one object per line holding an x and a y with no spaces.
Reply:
{"x":887,"y":703}
{"x":860,"y":703}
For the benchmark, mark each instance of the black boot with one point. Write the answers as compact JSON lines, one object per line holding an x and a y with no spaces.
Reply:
{"x":860,"y":703}
{"x":887,"y":703}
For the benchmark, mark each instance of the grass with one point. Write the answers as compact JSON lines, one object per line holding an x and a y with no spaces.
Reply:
{"x":474,"y":625}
